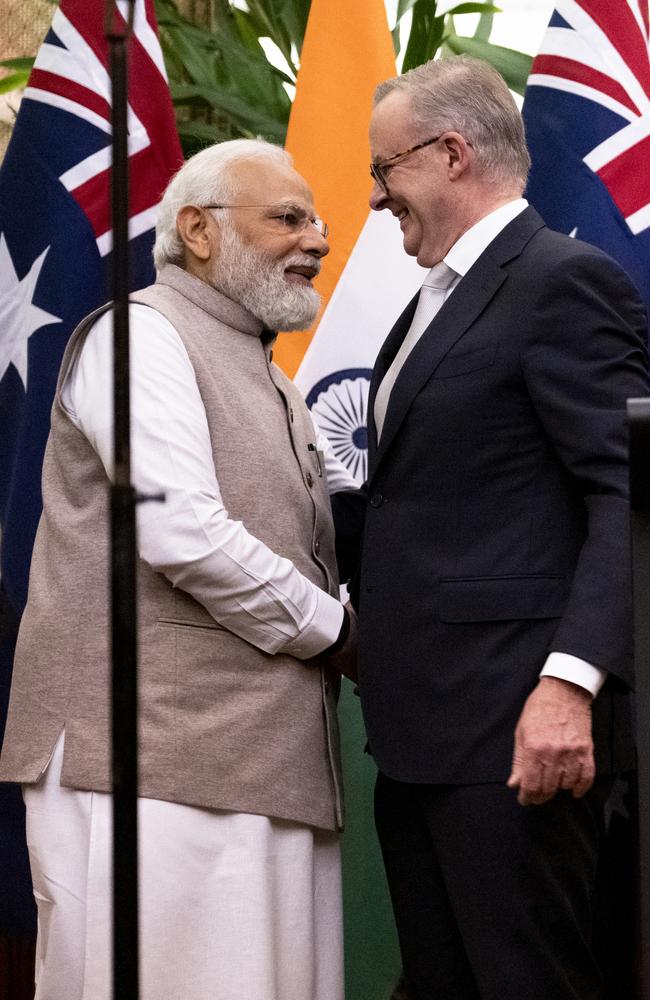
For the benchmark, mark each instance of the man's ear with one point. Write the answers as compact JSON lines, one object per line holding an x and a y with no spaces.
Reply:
{"x":192,"y":225}
{"x":459,"y":154}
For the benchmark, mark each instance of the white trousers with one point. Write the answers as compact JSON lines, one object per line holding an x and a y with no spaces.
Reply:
{"x":232,"y":906}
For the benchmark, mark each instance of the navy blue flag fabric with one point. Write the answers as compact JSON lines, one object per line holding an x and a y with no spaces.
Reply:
{"x":55,"y":259}
{"x":587,"y":114}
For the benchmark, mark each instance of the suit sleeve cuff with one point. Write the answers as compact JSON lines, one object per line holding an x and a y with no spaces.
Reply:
{"x":571,"y":668}
{"x":321,"y":632}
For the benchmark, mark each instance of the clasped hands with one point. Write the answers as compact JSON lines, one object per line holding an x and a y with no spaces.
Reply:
{"x":344,"y":660}
{"x":553,"y":743}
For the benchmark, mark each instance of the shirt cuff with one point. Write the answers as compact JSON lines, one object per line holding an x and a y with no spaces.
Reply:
{"x":571,"y":668}
{"x":321,"y":632}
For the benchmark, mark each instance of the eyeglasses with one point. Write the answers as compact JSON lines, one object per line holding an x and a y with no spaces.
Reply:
{"x":294,"y":218}
{"x":378,"y":170}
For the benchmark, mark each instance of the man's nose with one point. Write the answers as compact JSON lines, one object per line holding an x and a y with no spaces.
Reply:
{"x":378,"y":197}
{"x":313,"y":242}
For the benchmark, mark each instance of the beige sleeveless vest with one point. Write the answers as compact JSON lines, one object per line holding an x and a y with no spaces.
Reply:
{"x":222,"y":724}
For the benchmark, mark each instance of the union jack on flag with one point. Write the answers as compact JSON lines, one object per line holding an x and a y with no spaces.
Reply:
{"x":55,"y":255}
{"x":587,"y":114}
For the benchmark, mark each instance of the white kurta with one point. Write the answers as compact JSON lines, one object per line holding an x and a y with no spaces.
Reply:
{"x":232,"y":906}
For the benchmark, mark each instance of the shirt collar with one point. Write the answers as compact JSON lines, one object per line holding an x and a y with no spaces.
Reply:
{"x":466,"y":251}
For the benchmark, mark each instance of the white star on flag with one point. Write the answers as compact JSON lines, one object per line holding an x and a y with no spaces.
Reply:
{"x":19,"y":317}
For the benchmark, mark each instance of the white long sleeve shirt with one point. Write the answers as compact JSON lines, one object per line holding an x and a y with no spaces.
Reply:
{"x":190,"y":538}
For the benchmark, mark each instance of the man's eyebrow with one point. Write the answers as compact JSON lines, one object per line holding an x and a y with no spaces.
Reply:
{"x":290,"y":204}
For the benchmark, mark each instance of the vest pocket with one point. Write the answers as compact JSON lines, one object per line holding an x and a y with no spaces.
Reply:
{"x":183,"y":623}
{"x":463,"y":364}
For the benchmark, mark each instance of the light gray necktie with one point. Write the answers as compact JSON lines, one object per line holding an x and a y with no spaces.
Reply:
{"x":432,"y":295}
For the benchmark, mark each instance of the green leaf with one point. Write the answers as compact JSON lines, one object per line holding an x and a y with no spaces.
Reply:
{"x":196,"y":135}
{"x":426,"y":35}
{"x":513,"y":66}
{"x":13,"y":82}
{"x":484,"y":27}
{"x":404,"y":6}
{"x":222,"y":100}
{"x":24,"y":63}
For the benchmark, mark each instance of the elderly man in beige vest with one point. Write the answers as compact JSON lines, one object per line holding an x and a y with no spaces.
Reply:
{"x":240,"y":626}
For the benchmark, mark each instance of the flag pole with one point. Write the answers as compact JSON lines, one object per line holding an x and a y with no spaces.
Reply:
{"x":639,"y":431}
{"x":123,"y":557}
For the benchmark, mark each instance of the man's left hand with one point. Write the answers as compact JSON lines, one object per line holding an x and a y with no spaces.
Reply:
{"x":553,"y":744}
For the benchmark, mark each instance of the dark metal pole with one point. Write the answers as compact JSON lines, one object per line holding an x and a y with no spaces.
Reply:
{"x":123,"y":567}
{"x":639,"y":424}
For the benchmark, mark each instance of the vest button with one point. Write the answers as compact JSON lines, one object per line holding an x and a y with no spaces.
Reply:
{"x":317,"y":546}
{"x":310,"y":479}
{"x":326,"y":685}
{"x":376,"y":500}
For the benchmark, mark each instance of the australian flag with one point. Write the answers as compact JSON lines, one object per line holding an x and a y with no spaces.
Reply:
{"x":55,"y":261}
{"x":587,"y":114}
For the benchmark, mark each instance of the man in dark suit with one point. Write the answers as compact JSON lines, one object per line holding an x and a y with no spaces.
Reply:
{"x":494,"y":593}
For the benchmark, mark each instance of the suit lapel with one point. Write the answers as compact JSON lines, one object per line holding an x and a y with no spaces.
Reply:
{"x":464,"y":305}
{"x":384,"y":360}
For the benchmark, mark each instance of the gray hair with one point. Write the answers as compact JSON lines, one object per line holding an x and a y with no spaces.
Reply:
{"x":467,"y":95}
{"x":206,"y":178}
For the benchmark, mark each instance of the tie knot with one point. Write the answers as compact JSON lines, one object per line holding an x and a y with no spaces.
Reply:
{"x":440,"y":276}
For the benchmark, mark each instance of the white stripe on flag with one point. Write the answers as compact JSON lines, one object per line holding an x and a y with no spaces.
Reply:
{"x":54,"y":59}
{"x":145,"y":34}
{"x":138,"y":224}
{"x":98,"y":78}
{"x":639,"y":220}
{"x":65,"y":104}
{"x":609,"y":59}
{"x":581,"y":90}
{"x":618,"y":143}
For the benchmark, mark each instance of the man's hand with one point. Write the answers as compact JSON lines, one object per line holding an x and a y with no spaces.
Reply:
{"x":344,"y":660}
{"x":553,"y":744}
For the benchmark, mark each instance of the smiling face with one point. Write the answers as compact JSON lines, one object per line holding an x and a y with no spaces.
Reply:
{"x":422,"y":190}
{"x":259,"y":245}
{"x":265,"y":253}
{"x":268,"y":229}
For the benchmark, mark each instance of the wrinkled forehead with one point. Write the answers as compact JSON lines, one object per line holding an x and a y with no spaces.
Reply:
{"x":266,"y":182}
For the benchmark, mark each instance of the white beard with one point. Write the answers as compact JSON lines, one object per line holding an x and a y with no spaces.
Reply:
{"x":247,"y":276}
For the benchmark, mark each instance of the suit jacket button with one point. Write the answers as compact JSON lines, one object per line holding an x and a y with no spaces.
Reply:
{"x":310,"y":479}
{"x":317,"y":546}
{"x":376,"y":500}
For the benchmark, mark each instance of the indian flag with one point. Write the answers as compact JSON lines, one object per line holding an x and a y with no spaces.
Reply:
{"x":365,"y":282}
{"x":367,"y":279}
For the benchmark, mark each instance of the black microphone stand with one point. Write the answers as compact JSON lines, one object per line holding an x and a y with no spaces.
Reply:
{"x":123,"y":564}
{"x":639,"y":424}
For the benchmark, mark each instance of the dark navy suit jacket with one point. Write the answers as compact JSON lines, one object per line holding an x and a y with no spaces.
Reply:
{"x":496,"y":525}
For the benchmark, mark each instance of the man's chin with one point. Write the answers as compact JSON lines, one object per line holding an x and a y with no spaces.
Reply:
{"x":298,"y":324}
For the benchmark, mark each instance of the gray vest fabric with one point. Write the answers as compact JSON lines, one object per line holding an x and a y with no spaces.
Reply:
{"x":222,"y":724}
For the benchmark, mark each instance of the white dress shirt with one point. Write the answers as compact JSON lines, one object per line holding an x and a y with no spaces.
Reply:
{"x":460,"y":258}
{"x":190,"y":538}
{"x":433,"y":293}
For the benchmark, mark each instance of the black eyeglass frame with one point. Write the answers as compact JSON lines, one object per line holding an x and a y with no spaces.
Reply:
{"x":319,"y":224}
{"x":377,"y":169}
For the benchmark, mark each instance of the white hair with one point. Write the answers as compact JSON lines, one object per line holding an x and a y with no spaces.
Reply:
{"x":469,"y":96}
{"x":206,"y":178}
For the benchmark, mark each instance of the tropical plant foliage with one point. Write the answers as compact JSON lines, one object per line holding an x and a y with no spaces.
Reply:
{"x":21,"y":68}
{"x":224,"y":85}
